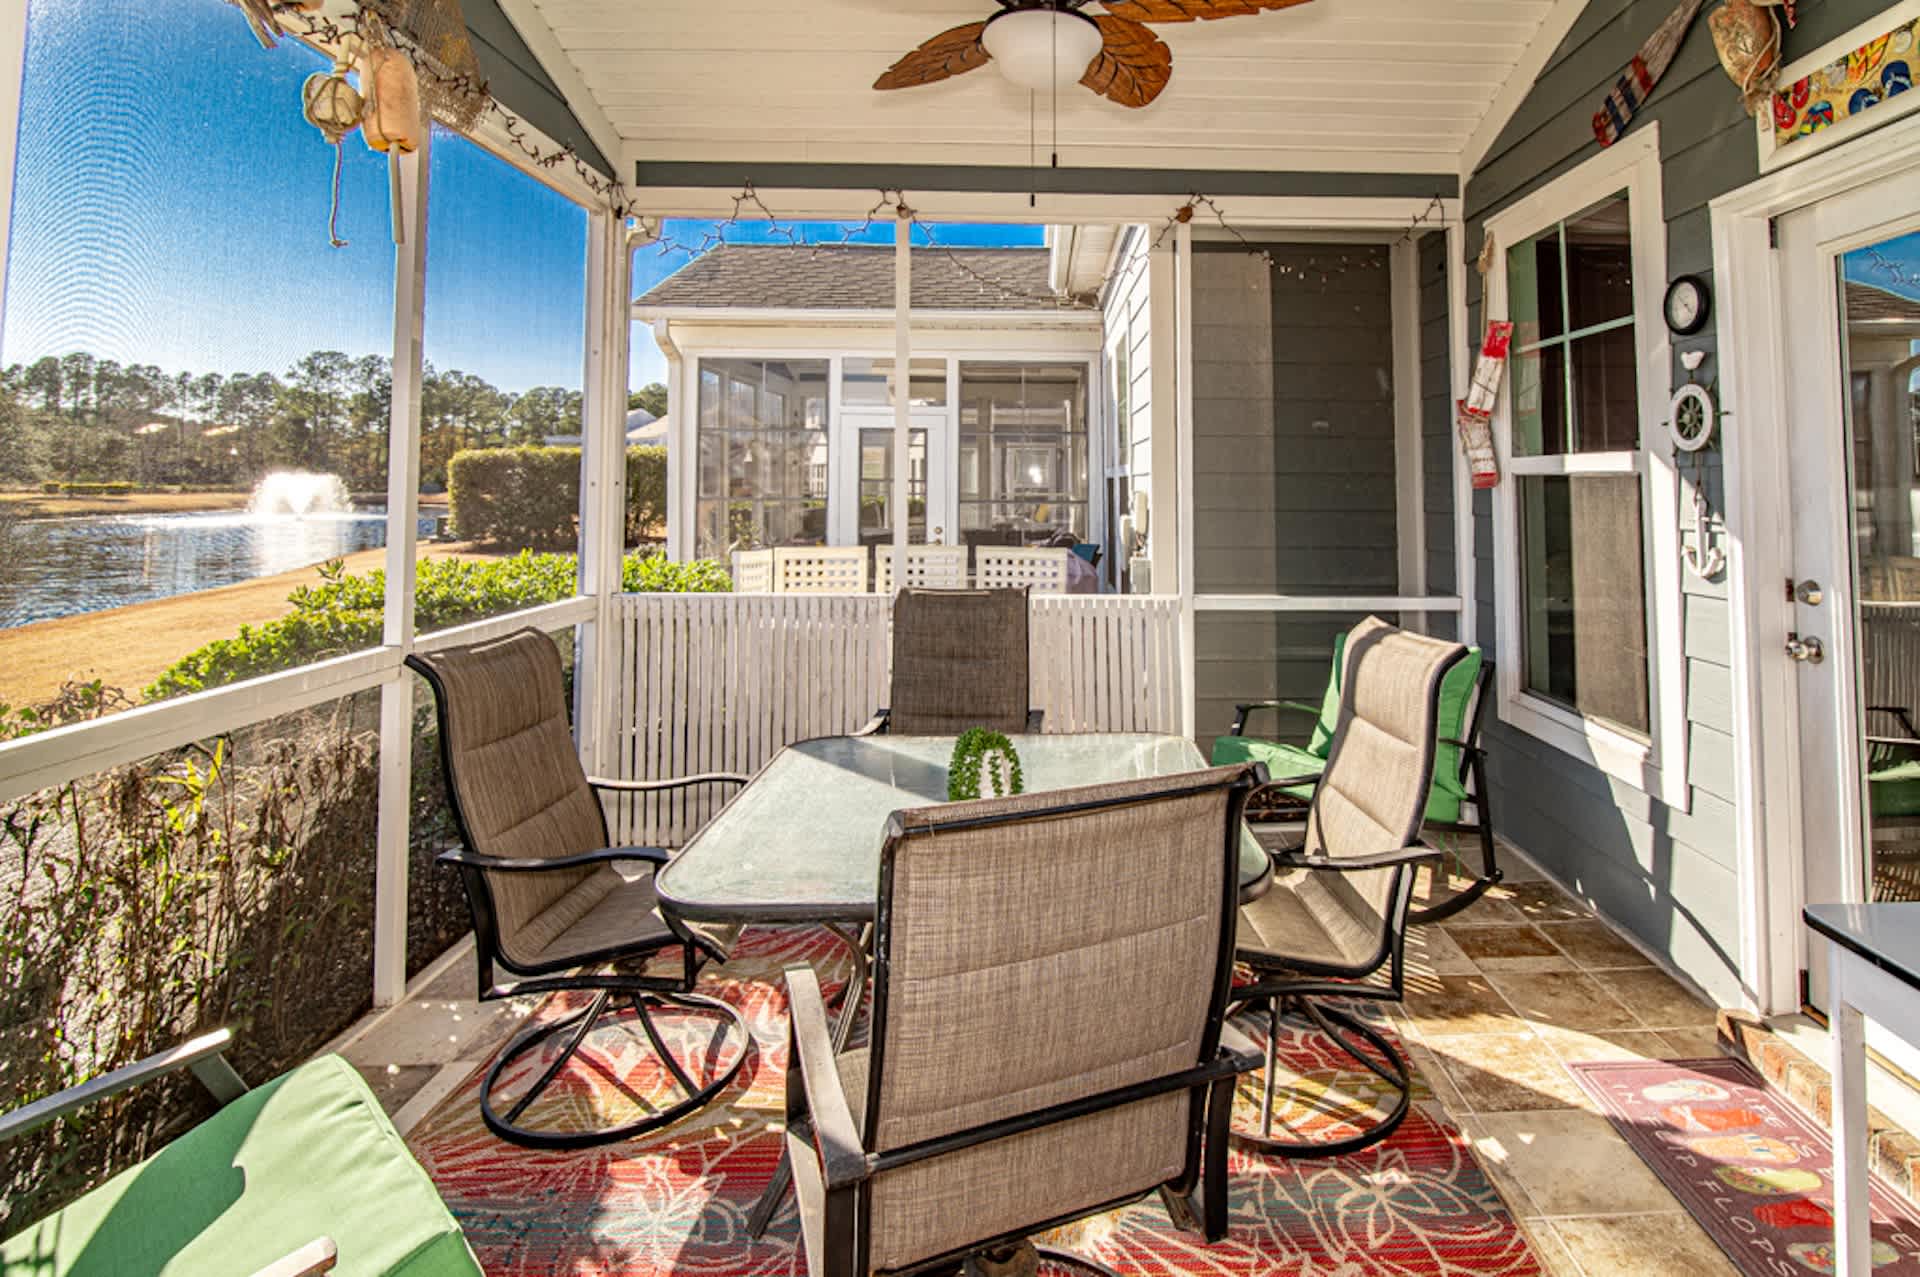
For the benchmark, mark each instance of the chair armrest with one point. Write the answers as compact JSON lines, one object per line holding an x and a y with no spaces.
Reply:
{"x":202,"y":1055}
{"x":877,"y":724}
{"x":600,"y":856}
{"x":1243,"y":710}
{"x":317,"y":1256}
{"x":1460,"y":745}
{"x":1241,"y":1049}
{"x":1356,"y":864}
{"x":678,"y":782}
{"x":842,"y":1160}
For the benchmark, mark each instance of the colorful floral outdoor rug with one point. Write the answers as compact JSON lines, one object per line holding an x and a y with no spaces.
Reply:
{"x":1747,"y":1164}
{"x":677,"y":1201}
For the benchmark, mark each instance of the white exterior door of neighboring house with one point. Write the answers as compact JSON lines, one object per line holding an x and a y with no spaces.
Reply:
{"x":863,"y":487}
{"x":1850,"y":297}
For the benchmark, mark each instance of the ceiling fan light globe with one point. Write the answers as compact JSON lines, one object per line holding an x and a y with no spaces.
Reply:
{"x":1042,"y":49}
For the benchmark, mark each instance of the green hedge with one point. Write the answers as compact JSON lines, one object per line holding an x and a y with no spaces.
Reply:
{"x":117,"y":488}
{"x":344,"y":613}
{"x":531,"y":496}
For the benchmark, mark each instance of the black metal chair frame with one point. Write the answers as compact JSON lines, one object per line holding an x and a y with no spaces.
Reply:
{"x":832,"y":1164}
{"x":1473,"y":775}
{"x":577,"y":972}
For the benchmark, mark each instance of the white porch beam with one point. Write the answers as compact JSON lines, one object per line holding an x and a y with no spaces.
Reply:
{"x":902,"y":396}
{"x":544,"y":45}
{"x":403,"y":522}
{"x":1460,"y":359}
{"x":603,"y":466}
{"x":1409,"y":451}
{"x":1184,"y":478}
{"x":1513,"y":91}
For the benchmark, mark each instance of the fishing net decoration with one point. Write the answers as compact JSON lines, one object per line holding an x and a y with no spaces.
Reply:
{"x":451,"y":85}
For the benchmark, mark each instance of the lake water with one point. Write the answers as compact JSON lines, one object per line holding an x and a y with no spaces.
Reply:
{"x":68,"y":566}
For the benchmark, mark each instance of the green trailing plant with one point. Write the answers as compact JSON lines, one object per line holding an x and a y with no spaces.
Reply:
{"x":979,"y":750}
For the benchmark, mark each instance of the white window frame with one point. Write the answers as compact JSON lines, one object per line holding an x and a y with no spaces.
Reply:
{"x":1657,"y":764}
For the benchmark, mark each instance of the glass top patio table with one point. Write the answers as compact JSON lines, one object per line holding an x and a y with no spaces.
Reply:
{"x":801,"y":843}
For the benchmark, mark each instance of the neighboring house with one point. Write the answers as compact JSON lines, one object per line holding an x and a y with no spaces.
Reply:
{"x":643,"y":429}
{"x":780,"y":384}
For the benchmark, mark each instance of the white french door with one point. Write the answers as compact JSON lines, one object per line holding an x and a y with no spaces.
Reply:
{"x":863,"y":489}
{"x":1850,"y":285}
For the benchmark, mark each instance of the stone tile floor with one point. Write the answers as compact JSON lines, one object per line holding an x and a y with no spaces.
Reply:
{"x":1499,"y":1000}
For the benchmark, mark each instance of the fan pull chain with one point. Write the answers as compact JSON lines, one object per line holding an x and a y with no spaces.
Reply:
{"x":333,"y":212}
{"x":1033,"y":151}
{"x":1054,"y":31}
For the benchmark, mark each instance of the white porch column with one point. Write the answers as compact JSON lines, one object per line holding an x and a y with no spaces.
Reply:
{"x":403,"y":521}
{"x":603,"y":467}
{"x":902,"y":385}
{"x":1460,"y":350}
{"x":1183,"y":475}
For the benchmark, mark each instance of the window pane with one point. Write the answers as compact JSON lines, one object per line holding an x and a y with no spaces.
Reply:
{"x":1533,"y":289}
{"x":1540,"y":402}
{"x":868,"y":383}
{"x":1023,"y":453}
{"x":876,"y":487}
{"x":1600,"y":264}
{"x":1606,"y":392}
{"x":1585,"y":594}
{"x":196,"y":391}
{"x":763,"y":454}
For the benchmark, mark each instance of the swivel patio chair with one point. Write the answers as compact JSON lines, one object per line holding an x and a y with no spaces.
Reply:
{"x":1459,"y":769}
{"x":1338,"y":910}
{"x":1012,"y":1083}
{"x":960,"y":660}
{"x":550,"y":905}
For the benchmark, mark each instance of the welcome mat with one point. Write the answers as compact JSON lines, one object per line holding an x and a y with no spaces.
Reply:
{"x":677,"y":1201}
{"x":1747,"y":1165}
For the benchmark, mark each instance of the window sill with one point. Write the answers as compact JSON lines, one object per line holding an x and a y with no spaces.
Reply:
{"x":1621,"y":755}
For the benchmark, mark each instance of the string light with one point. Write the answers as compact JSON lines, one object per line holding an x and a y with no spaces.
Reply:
{"x":331,"y":33}
{"x":1436,"y":208}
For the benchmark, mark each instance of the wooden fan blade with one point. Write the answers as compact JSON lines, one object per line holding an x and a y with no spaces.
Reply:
{"x":1133,"y":64}
{"x":948,"y":54}
{"x":1192,"y":10}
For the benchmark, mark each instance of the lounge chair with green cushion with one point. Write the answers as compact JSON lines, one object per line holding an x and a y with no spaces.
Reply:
{"x":286,"y":1179}
{"x":1459,"y":774}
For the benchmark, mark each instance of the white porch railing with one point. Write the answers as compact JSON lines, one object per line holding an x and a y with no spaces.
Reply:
{"x":720,"y":682}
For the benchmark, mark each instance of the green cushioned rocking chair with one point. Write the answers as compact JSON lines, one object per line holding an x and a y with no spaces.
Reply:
{"x":1459,"y":771}
{"x":288,"y":1179}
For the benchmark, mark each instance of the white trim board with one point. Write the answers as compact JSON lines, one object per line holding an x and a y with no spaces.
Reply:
{"x":1658,"y":765}
{"x":1753,"y":339}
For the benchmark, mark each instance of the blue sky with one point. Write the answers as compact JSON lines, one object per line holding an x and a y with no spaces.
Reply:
{"x":1893,"y":266}
{"x":170,"y":208}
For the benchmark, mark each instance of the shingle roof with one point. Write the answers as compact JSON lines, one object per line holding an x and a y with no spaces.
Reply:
{"x":1867,"y":304}
{"x":855,"y":277}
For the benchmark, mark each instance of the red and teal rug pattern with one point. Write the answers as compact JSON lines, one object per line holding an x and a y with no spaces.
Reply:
{"x":677,"y":1202}
{"x":1747,"y":1165}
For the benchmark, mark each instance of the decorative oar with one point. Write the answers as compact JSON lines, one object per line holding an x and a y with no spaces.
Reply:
{"x":1631,"y":90}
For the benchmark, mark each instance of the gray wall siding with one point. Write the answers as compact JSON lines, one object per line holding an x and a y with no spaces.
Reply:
{"x":1293,"y":460}
{"x":522,"y":85}
{"x":1436,"y":429}
{"x":1667,"y":875}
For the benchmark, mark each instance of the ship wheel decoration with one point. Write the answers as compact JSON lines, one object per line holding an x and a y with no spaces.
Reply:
{"x":1109,"y":46}
{"x":1693,"y":417}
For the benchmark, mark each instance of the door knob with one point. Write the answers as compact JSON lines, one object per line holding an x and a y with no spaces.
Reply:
{"x":1807,"y":650}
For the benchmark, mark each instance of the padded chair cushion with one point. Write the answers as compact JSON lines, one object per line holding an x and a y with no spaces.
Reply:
{"x":1449,"y":791}
{"x":309,"y":1154}
{"x":613,"y":909}
{"x":1310,"y":918}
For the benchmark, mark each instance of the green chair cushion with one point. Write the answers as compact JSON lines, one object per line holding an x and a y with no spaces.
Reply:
{"x":1282,"y":760}
{"x":1894,"y":790}
{"x":309,"y":1154}
{"x":1448,"y":792}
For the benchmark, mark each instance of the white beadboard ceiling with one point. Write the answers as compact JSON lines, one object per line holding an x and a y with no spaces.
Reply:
{"x":1331,"y":86}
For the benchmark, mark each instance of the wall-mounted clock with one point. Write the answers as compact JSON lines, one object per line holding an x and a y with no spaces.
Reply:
{"x":1688,"y":305}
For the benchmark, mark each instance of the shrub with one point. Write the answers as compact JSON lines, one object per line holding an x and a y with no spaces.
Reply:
{"x":646,"y":493}
{"x":51,"y":487}
{"x":515,"y":496}
{"x":117,"y":488}
{"x":345,"y":613}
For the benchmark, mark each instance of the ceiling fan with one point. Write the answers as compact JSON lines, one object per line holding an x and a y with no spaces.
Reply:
{"x":1044,"y":44}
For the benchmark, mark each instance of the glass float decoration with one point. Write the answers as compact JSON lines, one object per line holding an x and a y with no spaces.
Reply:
{"x":331,"y":104}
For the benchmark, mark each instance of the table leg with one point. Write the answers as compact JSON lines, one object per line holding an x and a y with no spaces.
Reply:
{"x":850,"y":999}
{"x":1852,"y":1204}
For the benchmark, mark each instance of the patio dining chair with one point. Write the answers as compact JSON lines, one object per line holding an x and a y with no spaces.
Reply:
{"x":1459,"y":801}
{"x":1011,"y":1083}
{"x":551,"y":906}
{"x":1337,"y":913}
{"x":960,"y":660}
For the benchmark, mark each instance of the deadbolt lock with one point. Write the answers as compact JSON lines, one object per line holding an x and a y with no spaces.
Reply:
{"x":1809,"y":593}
